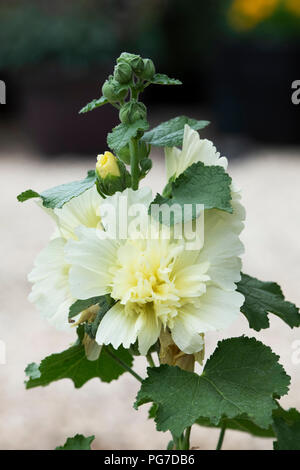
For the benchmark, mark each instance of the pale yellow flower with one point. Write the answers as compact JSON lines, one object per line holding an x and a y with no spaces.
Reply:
{"x":157,"y":283}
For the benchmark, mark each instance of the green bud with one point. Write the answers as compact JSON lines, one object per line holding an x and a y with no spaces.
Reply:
{"x":135,"y":61}
{"x":132,"y":111}
{"x":113,"y":91}
{"x":112,"y":175}
{"x":149,"y":70}
{"x":123,"y":72}
{"x":146,"y":165}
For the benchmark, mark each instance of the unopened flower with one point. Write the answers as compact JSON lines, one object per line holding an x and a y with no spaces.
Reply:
{"x":107,"y":165}
{"x":111,"y":173}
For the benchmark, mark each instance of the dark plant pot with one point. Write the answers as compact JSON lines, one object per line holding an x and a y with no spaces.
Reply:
{"x":52,"y":99}
{"x":251,"y":90}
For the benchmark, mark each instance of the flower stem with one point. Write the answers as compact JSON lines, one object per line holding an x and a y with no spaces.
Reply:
{"x":124,"y":365}
{"x":150,"y":360}
{"x":187,"y":438}
{"x":133,"y":145}
{"x":221,"y":438}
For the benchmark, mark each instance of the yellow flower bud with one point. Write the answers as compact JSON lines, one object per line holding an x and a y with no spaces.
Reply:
{"x":107,"y":165}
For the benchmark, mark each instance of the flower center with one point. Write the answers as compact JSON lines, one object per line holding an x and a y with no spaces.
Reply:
{"x":143,"y":280}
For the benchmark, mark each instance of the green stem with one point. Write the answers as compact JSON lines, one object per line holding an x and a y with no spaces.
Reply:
{"x":124,"y":365}
{"x":221,"y":438}
{"x":183,"y":442}
{"x":187,"y":438}
{"x":150,"y":360}
{"x":133,"y":145}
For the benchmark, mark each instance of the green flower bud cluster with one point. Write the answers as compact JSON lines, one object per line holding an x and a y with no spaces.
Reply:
{"x":130,"y":71}
{"x":144,"y":69}
{"x":132,"y":111}
{"x":113,"y":91}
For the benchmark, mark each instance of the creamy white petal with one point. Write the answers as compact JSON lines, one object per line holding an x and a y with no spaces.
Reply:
{"x":91,"y":258}
{"x":187,"y":329}
{"x":222,"y":248}
{"x":81,"y":210}
{"x":50,"y":291}
{"x":193,"y":150}
{"x":119,"y":211}
{"x":190,"y":281}
{"x":148,"y":327}
{"x":217,"y":309}
{"x":117,"y":328}
{"x":172,"y":156}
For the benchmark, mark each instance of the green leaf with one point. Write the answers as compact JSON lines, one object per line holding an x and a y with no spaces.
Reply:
{"x":123,"y":133}
{"x":73,"y":364}
{"x":170,"y":133}
{"x":240,"y":423}
{"x":78,"y":442}
{"x":29,"y":194}
{"x":162,"y":79}
{"x":96,"y":103}
{"x":240,"y":378}
{"x":32,"y":371}
{"x":198,"y":184}
{"x":287,"y":429}
{"x":152,"y":411}
{"x":263,"y":297}
{"x":59,"y":195}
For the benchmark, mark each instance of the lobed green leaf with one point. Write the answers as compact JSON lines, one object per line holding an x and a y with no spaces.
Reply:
{"x":198,"y":184}
{"x":240,"y":378}
{"x":73,"y":364}
{"x":59,"y":195}
{"x":78,"y":442}
{"x":262,"y":298}
{"x":287,"y":429}
{"x":123,"y":133}
{"x":170,"y":133}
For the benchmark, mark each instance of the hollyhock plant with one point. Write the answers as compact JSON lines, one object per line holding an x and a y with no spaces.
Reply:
{"x":131,"y":275}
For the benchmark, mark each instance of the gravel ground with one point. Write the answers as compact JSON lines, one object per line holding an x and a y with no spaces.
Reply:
{"x":42,"y":418}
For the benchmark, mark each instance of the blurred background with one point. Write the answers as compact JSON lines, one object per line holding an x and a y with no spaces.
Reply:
{"x":237,"y":60}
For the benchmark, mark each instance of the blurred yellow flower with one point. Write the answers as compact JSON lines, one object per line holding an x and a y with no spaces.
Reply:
{"x":245,"y":14}
{"x":293,"y":6}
